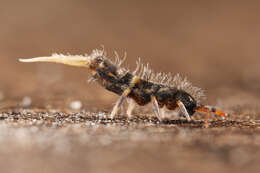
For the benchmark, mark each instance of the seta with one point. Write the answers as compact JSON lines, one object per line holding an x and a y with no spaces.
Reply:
{"x":141,"y":86}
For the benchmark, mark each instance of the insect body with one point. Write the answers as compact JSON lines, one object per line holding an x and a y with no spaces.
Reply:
{"x":141,"y":86}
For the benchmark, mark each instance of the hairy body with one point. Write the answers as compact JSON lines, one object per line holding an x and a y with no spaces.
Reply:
{"x":141,"y":90}
{"x":141,"y":86}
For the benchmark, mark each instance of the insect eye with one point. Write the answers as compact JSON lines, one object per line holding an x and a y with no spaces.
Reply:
{"x":99,"y":59}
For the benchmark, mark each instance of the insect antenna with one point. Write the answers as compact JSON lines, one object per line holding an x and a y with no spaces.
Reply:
{"x":73,"y":60}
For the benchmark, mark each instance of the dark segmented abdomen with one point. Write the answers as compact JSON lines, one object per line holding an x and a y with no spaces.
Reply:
{"x":143,"y":91}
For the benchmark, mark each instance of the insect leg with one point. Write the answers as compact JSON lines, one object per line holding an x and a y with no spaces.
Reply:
{"x":207,"y":119}
{"x":184,"y":111}
{"x":163,"y":113}
{"x":126,"y":92}
{"x":156,"y":108}
{"x":131,"y":105}
{"x":119,"y":102}
{"x":93,"y":77}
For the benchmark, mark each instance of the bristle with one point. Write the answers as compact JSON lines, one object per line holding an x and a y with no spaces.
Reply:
{"x":184,"y":84}
{"x":168,"y":79}
{"x":118,"y":63}
{"x":97,"y":53}
{"x":143,"y":71}
{"x":146,"y":73}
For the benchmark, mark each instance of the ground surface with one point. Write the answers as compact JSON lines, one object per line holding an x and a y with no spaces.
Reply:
{"x":52,"y":120}
{"x":55,"y":140}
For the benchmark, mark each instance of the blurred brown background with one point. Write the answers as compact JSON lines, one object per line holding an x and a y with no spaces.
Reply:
{"x":213,"y":43}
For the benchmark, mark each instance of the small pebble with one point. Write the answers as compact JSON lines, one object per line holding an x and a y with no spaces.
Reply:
{"x":27,"y":101}
{"x":76,"y":105}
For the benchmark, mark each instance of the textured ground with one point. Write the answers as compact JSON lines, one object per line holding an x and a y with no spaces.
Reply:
{"x":54,"y":140}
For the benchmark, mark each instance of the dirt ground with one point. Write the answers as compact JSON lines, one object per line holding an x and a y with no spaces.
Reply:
{"x":52,"y":120}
